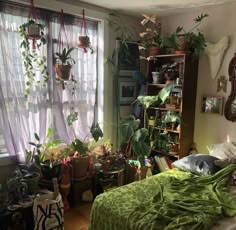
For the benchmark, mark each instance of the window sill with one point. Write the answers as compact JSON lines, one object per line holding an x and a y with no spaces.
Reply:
{"x":6,"y":159}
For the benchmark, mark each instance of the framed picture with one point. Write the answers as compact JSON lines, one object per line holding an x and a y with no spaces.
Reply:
{"x":212,"y":104}
{"x":128,"y":90}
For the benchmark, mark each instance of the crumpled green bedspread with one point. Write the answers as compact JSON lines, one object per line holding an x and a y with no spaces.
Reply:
{"x":170,"y":200}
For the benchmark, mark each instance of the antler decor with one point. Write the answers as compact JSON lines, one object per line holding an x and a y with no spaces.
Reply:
{"x":215,"y":53}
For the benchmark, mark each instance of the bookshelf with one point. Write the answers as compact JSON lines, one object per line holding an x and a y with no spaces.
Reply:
{"x":172,"y":138}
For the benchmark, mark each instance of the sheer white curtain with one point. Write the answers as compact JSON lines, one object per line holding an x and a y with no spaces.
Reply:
{"x":82,"y":98}
{"x":20,"y":117}
{"x":49,"y":106}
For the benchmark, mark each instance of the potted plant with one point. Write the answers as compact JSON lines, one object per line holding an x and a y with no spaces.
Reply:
{"x":48,"y":156}
{"x":136,"y":138}
{"x":190,"y":41}
{"x":172,"y":118}
{"x":84,"y":43}
{"x":31,"y":59}
{"x":64,"y":63}
{"x":80,"y":149}
{"x":151,"y":38}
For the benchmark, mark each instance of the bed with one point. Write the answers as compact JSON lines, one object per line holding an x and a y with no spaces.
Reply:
{"x":174,"y":199}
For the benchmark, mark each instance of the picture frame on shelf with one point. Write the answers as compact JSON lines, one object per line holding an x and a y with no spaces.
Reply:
{"x":212,"y":104}
{"x":127,"y":91}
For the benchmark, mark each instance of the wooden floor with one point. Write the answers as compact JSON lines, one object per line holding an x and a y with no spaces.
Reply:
{"x":78,"y":218}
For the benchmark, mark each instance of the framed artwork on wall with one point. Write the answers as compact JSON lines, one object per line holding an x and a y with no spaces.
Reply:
{"x":212,"y":104}
{"x":127,"y":90}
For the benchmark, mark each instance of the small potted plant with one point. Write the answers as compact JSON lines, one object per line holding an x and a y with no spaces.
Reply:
{"x":47,"y":156}
{"x":191,"y":41}
{"x":32,"y":32}
{"x":84,"y":43}
{"x":64,"y":63}
{"x":80,"y":149}
{"x":171,"y":118}
{"x":151,"y":38}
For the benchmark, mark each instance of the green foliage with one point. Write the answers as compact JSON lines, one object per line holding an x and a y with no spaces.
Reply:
{"x":78,"y":146}
{"x":64,"y":57}
{"x":42,"y":149}
{"x":96,"y":132}
{"x":72,"y":118}
{"x":151,"y":36}
{"x":147,"y":101}
{"x":31,"y":60}
{"x":138,"y":138}
{"x":171,"y":116}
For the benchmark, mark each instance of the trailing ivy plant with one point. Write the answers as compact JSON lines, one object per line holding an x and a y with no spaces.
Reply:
{"x":32,"y":61}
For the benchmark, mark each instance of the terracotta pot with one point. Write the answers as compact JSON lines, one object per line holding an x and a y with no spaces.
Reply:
{"x":154,"y":50}
{"x":84,"y":42}
{"x":183,"y":45}
{"x":63,"y":71}
{"x":80,"y":167}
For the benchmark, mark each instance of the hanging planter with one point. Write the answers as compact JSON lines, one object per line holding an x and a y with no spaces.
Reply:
{"x":64,"y":61}
{"x":32,"y":32}
{"x":84,"y":40}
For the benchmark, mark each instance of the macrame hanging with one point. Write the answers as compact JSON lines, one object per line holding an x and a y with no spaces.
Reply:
{"x":64,"y":61}
{"x":84,"y":40}
{"x":33,"y":30}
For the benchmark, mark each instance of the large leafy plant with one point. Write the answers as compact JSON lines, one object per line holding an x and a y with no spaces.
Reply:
{"x":160,"y":98}
{"x":41,"y":151}
{"x":136,"y":138}
{"x":196,"y":40}
{"x":32,"y":60}
{"x":78,"y":145}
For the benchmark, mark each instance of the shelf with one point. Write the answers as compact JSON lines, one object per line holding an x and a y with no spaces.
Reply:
{"x":165,"y":129}
{"x":166,"y":55}
{"x":165,"y":109}
{"x":157,"y":85}
{"x":166,"y":153}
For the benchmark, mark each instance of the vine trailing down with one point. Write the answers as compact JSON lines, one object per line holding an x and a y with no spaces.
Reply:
{"x":32,"y":33}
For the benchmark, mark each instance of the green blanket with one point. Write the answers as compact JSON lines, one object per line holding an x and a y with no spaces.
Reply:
{"x":171,"y":200}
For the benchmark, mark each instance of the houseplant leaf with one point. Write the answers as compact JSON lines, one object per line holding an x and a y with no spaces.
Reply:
{"x":128,"y":125}
{"x":96,"y":132}
{"x":141,"y":144}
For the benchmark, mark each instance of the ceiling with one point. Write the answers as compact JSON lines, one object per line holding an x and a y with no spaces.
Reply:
{"x":163,"y":7}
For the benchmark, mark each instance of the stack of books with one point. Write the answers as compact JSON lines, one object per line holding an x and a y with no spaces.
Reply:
{"x":163,"y":163}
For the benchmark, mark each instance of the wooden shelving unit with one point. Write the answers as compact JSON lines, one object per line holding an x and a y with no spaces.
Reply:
{"x":186,"y":69}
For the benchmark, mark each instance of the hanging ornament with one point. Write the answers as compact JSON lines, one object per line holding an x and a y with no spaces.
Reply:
{"x":84,"y":40}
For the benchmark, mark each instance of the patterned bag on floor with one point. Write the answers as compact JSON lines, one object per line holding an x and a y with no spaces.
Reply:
{"x":48,"y":212}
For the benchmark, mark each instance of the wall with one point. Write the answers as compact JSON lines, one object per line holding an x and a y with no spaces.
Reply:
{"x":209,"y":128}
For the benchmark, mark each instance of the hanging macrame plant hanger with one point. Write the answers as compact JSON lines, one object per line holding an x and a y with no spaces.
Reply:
{"x":33,"y":30}
{"x":63,"y":70}
{"x":84,"y":40}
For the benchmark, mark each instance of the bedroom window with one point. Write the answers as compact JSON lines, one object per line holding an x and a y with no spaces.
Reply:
{"x":49,"y":106}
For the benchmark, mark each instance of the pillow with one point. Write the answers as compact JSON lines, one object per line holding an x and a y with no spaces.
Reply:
{"x":199,"y":164}
{"x":224,"y":150}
